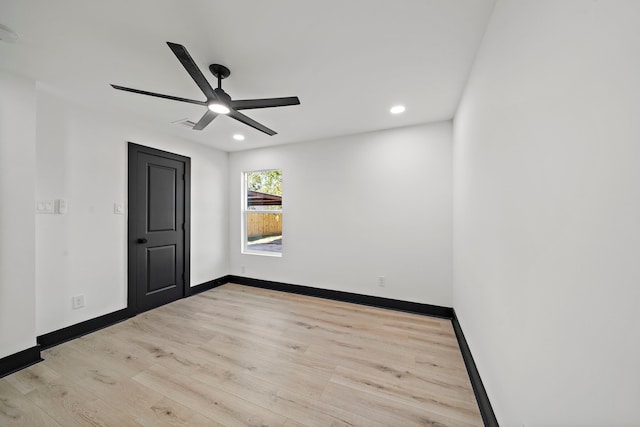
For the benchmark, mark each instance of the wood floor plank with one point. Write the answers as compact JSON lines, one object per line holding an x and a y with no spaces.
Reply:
{"x":390,"y":412}
{"x":269,"y":367}
{"x":115,"y":353}
{"x":167,"y":412}
{"x":17,"y":410}
{"x":71,"y":405}
{"x":412,"y":391}
{"x":287,"y":401}
{"x":32,"y":377}
{"x":208,"y":400}
{"x":242,"y":356}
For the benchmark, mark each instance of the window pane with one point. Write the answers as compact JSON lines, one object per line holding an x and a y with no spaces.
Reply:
{"x":264,"y":232}
{"x":264,"y":189}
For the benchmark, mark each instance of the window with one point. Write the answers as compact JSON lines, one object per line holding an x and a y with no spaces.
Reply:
{"x":262,"y":213}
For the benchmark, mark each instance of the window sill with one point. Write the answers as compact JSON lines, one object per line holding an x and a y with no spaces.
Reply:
{"x":262,"y":253}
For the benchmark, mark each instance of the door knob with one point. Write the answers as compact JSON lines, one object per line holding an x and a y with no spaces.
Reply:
{"x":142,"y":240}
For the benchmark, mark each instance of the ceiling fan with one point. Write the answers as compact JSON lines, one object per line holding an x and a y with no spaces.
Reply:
{"x":218,"y":101}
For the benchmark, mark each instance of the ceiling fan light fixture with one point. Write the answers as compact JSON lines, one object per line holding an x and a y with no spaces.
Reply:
{"x":397,"y":109}
{"x":219,"y":108}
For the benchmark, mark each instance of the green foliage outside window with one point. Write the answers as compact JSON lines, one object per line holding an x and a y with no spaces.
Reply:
{"x":269,"y":182}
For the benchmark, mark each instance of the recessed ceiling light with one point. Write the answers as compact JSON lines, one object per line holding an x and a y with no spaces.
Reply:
{"x":7,"y":34}
{"x":238,"y":137}
{"x":397,"y":109}
{"x":219,"y":108}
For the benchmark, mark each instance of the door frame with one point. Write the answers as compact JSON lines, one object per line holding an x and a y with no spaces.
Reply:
{"x":132,"y":235}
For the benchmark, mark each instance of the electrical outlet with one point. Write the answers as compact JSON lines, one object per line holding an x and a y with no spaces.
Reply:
{"x":77,"y":302}
{"x":382,"y":281}
{"x":243,"y":269}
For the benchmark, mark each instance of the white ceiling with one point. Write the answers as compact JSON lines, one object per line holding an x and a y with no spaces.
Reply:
{"x":348,"y":61}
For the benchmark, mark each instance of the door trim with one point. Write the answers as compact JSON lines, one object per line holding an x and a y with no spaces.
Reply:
{"x":133,"y":150}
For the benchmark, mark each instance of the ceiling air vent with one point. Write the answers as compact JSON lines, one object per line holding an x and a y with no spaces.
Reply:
{"x":184,"y":122}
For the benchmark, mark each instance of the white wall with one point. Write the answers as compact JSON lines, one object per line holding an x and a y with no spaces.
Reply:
{"x":82,"y":157}
{"x":547,"y":213}
{"x":355,"y":208}
{"x":17,"y":229}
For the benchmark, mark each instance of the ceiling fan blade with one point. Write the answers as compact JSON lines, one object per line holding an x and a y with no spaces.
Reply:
{"x":193,"y":70}
{"x":248,"y":104}
{"x":159,"y":95}
{"x":205,"y":120}
{"x":248,"y":121}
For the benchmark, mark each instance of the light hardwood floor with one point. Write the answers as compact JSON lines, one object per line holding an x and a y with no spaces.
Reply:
{"x":238,"y":356}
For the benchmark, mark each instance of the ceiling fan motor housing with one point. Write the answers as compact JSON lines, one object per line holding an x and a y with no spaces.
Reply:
{"x":223,"y":96}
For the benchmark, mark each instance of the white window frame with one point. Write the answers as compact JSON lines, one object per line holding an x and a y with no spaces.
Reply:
{"x":244,"y":220}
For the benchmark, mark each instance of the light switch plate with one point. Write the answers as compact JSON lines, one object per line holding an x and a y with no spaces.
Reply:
{"x":118,"y":209}
{"x":61,"y":206}
{"x":46,"y":206}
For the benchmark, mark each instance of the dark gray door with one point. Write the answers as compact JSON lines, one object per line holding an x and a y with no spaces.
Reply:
{"x":158,"y":232}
